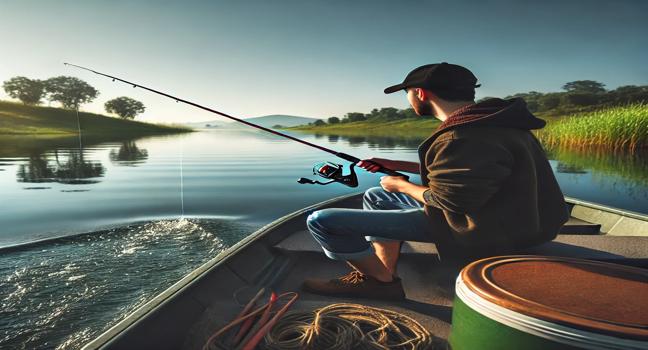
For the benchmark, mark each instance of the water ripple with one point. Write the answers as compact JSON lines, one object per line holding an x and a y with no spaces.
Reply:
{"x":60,"y":294}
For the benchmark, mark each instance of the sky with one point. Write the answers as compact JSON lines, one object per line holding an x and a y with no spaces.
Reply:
{"x":317,"y":58}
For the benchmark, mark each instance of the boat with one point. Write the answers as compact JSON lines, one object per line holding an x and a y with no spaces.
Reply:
{"x":282,"y":254}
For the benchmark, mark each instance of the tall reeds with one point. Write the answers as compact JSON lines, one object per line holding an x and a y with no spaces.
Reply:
{"x":622,"y":127}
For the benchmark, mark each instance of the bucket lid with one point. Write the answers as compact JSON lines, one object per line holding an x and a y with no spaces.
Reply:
{"x":593,"y":296}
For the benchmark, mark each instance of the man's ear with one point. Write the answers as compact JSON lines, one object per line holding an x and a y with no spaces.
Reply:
{"x":423,"y":94}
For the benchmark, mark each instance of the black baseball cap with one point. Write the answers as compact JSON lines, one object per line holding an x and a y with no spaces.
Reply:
{"x":438,"y":76}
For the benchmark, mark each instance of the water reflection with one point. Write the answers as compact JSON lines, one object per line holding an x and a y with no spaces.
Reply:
{"x":70,"y":168}
{"x":128,"y":154}
{"x":631,"y":166}
{"x":376,"y":141}
{"x":565,"y":168}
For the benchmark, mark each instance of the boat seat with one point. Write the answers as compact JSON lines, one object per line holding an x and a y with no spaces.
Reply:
{"x":599,"y":247}
{"x":576,"y":226}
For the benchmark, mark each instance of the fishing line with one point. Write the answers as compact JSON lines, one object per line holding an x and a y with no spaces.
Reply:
{"x":182,"y":210}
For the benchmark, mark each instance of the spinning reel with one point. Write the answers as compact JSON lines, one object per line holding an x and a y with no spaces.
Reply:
{"x":333,"y":172}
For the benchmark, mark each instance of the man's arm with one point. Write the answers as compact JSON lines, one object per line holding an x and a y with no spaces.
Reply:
{"x":374,"y":164}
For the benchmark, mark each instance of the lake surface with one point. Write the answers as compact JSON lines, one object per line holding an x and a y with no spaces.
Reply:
{"x":119,"y":222}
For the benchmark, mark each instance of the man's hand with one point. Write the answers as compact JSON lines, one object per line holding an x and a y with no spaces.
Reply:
{"x":393,"y":183}
{"x":374,"y":164}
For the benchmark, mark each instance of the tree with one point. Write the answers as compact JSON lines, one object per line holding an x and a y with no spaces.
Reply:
{"x":549,"y":101}
{"x":319,"y":122}
{"x":71,"y":92}
{"x":355,"y":117}
{"x":584,"y":87}
{"x":125,"y":107}
{"x":628,"y":94}
{"x":489,"y":97}
{"x":333,"y":120}
{"x":583,"y":99}
{"x":28,"y":91}
{"x":532,"y":99}
{"x":389,"y":113}
{"x":409,"y":113}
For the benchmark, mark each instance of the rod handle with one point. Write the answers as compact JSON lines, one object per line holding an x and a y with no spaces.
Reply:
{"x":392,"y":173}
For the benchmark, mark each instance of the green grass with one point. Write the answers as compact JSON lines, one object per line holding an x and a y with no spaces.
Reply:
{"x":415,"y":128}
{"x":622,"y":127}
{"x":19,"y":119}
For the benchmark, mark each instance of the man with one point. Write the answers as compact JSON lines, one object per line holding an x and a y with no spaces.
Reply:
{"x":487,"y":189}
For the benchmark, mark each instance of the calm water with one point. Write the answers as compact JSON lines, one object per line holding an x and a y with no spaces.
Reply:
{"x":153,"y":209}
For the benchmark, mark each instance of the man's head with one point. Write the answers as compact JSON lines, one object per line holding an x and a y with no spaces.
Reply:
{"x":437,"y":83}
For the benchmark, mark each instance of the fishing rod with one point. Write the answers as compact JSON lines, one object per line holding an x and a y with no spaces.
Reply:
{"x":327,"y":170}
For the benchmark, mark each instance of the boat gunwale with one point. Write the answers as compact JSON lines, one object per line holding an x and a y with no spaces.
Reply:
{"x":613,"y":210}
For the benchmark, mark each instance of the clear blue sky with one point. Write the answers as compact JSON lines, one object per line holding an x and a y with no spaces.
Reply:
{"x":318,"y":58}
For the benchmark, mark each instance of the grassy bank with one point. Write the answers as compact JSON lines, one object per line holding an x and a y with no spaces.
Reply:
{"x":18,"y":119}
{"x":416,"y":128}
{"x":622,"y":127}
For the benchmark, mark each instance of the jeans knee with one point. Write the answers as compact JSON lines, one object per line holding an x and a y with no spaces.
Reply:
{"x":315,"y":221}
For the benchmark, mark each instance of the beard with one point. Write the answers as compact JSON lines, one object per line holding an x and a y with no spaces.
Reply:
{"x":424,"y":108}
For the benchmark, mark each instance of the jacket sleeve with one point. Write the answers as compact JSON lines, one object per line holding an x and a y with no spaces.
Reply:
{"x":464,"y":174}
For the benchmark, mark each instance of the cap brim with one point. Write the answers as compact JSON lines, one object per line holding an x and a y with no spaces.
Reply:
{"x":395,"y":88}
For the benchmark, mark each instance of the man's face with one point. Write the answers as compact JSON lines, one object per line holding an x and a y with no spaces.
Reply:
{"x":421,"y":107}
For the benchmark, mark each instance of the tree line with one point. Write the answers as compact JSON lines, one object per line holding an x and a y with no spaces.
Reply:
{"x":70,"y":92}
{"x":583,"y":93}
{"x":575,"y":94}
{"x":377,"y":115}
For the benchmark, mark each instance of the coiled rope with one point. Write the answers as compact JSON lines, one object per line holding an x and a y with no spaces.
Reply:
{"x":347,"y":326}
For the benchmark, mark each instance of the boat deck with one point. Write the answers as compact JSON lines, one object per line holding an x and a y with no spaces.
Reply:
{"x":427,"y":301}
{"x":281,"y":255}
{"x":428,"y":283}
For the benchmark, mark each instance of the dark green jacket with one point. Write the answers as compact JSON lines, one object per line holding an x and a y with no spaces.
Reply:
{"x":491,"y":188}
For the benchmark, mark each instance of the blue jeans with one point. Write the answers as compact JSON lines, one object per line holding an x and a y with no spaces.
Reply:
{"x":345,"y":234}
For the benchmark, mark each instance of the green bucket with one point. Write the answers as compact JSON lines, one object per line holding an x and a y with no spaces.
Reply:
{"x":534,"y":302}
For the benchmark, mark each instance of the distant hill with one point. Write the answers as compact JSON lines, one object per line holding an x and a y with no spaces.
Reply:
{"x":209,"y":124}
{"x":267,"y":121}
{"x":284,"y":120}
